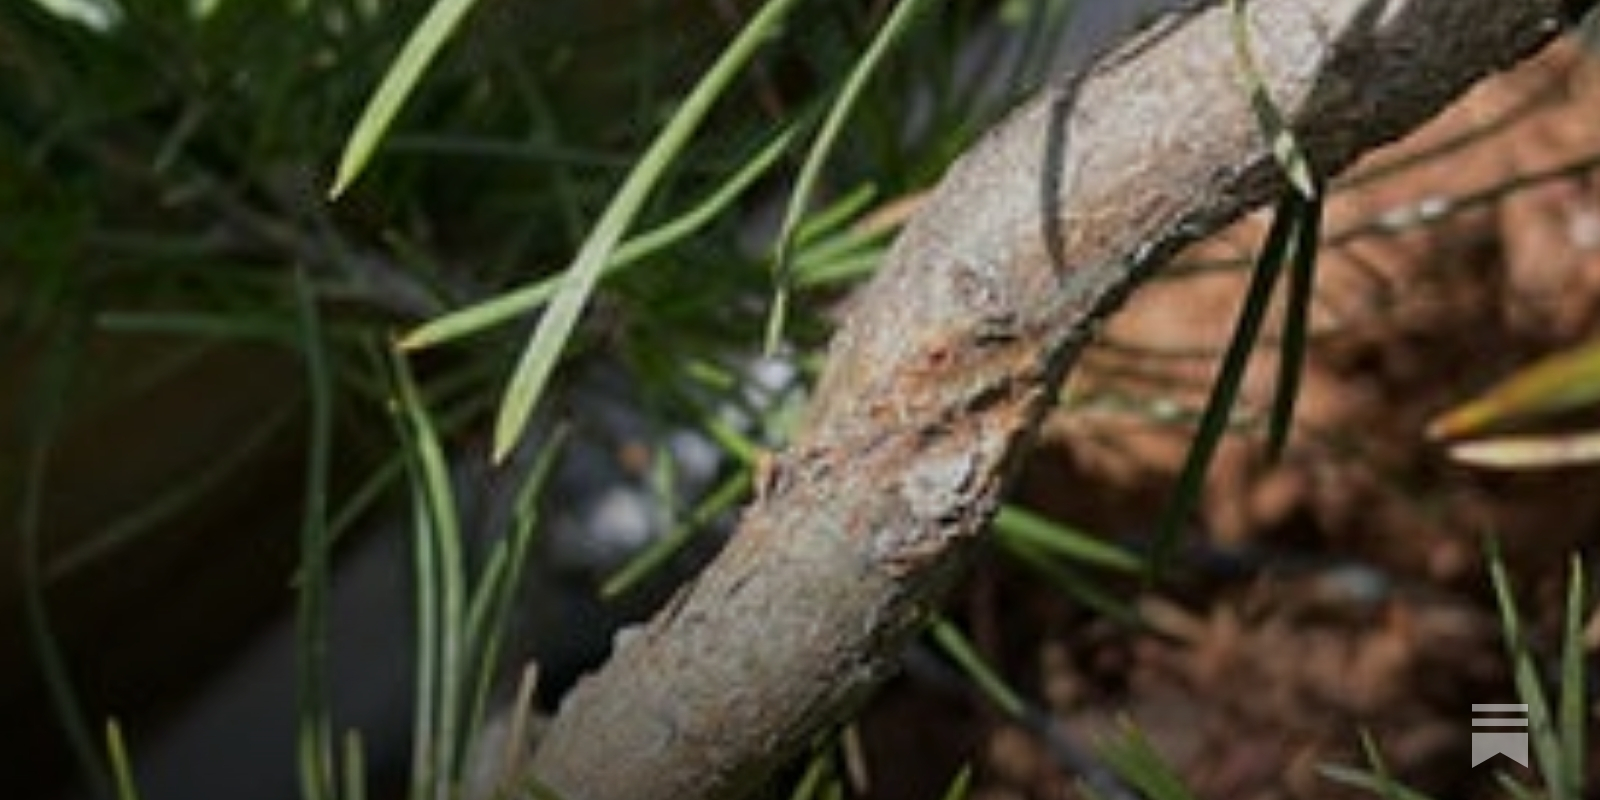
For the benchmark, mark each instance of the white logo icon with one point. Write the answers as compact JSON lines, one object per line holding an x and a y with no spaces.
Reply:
{"x":1486,"y":744}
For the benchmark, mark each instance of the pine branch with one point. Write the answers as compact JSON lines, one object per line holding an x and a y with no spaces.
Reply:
{"x":942,"y":371}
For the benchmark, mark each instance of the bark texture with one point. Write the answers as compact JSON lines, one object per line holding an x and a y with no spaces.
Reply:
{"x":947,"y":360}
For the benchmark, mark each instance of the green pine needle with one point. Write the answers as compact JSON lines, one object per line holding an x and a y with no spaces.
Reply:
{"x":893,"y":31}
{"x":542,"y":353}
{"x":397,"y":86}
{"x":1230,"y":378}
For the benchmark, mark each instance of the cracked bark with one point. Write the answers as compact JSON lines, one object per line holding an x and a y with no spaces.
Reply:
{"x":948,"y":359}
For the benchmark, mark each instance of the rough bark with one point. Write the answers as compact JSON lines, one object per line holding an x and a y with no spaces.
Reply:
{"x":948,"y":359}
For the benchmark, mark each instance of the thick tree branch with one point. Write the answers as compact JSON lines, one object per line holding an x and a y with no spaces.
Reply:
{"x":949,"y":358}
